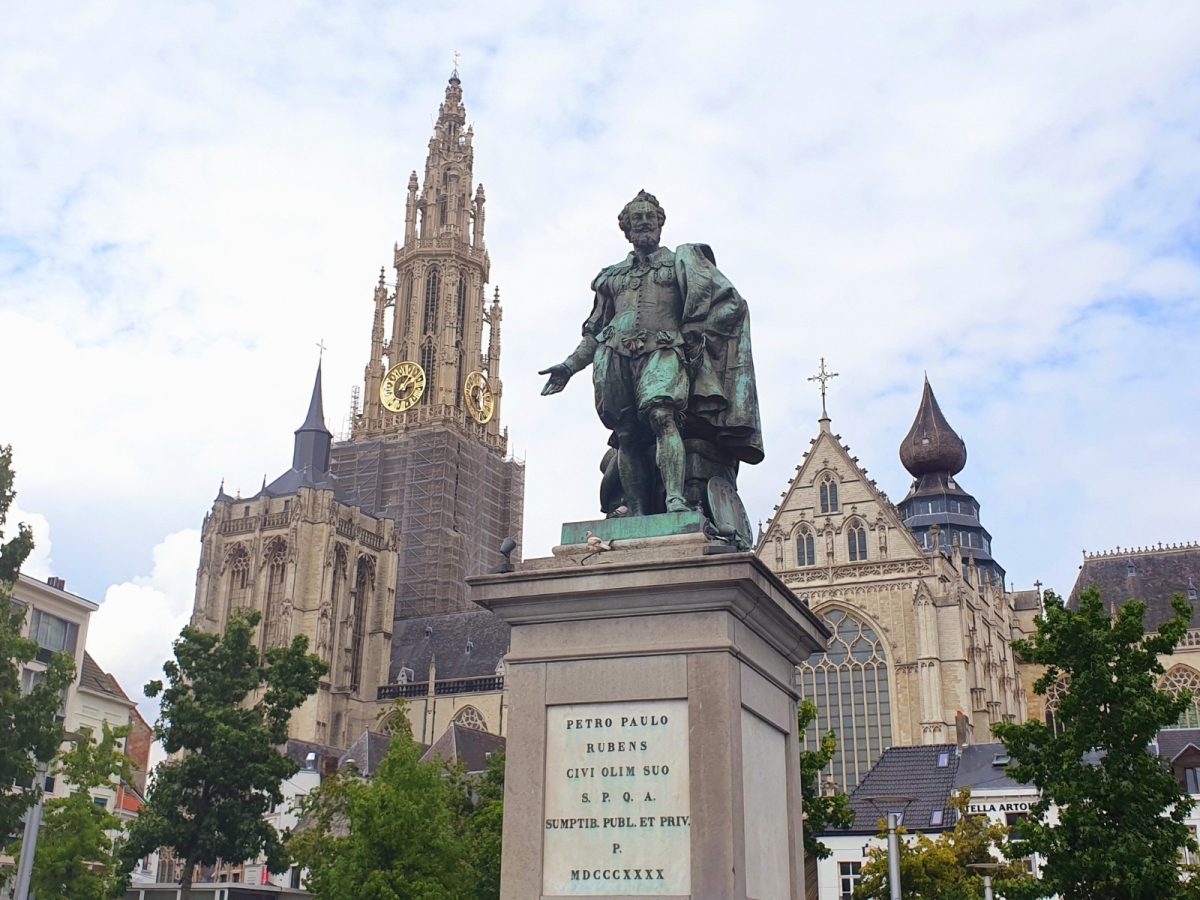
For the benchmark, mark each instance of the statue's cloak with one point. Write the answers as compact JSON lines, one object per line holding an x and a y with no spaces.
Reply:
{"x":715,"y":323}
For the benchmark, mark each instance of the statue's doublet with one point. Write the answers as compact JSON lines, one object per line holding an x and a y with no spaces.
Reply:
{"x":643,"y":305}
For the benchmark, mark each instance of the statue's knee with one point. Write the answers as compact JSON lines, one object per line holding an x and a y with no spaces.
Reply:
{"x":661,"y":419}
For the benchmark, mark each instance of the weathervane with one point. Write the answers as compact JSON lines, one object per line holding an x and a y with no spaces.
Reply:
{"x":321,"y":349}
{"x":457,"y":58}
{"x":823,"y":376}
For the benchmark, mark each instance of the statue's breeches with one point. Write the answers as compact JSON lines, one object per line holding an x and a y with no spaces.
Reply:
{"x":628,"y":386}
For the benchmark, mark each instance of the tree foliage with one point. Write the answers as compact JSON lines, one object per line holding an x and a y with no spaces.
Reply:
{"x":939,"y":868}
{"x":480,"y":822}
{"x":820,"y":812}
{"x":1120,"y":811}
{"x":75,"y":854}
{"x":224,"y":715}
{"x":415,"y":831}
{"x":29,"y":732}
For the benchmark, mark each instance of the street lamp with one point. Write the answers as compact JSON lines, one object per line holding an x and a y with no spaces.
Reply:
{"x":887,"y":804}
{"x":985,"y":868}
{"x":33,"y":825}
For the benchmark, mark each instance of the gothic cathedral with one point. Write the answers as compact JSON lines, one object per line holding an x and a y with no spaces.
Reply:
{"x":364,"y":545}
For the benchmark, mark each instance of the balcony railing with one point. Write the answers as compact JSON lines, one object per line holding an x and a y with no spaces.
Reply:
{"x":239,"y":526}
{"x":480,"y":685}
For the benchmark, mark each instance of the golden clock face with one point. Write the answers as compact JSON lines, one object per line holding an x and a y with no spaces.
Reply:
{"x":402,"y":387}
{"x":481,"y":402}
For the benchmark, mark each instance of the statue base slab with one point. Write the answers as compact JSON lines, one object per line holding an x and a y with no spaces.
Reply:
{"x":632,"y":528}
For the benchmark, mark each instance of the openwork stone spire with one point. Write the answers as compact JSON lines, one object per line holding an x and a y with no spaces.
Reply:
{"x":931,"y":445}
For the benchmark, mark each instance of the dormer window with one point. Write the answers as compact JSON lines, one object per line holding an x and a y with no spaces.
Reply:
{"x":806,"y":551}
{"x":829,"y":494}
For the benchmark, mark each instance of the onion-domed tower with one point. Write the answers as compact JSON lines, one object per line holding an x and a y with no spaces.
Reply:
{"x":934,"y":453}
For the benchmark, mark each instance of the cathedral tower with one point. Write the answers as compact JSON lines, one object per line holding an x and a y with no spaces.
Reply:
{"x":427,"y":449}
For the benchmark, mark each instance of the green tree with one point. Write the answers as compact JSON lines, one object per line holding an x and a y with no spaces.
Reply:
{"x":224,"y":715}
{"x":75,"y":856}
{"x":939,"y":868}
{"x":480,"y":822}
{"x":821,"y":812}
{"x":393,"y":837}
{"x":1121,"y":813}
{"x":29,"y":732}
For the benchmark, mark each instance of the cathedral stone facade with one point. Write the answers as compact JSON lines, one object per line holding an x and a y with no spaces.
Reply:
{"x":921,"y":619}
{"x":364,"y":545}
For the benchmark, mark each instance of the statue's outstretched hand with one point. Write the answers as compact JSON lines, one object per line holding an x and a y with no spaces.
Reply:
{"x":559,"y":376}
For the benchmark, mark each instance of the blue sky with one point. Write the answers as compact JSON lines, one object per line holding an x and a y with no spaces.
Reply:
{"x":1004,"y":196}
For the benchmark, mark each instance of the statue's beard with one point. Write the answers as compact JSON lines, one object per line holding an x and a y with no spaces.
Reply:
{"x":644,"y":240}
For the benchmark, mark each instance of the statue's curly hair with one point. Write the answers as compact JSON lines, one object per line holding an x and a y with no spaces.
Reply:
{"x":642,"y":197}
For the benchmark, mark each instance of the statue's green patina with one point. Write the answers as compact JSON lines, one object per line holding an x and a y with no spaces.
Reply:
{"x":669,"y":344}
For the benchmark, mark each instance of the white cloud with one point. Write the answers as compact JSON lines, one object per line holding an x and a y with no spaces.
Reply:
{"x":131,"y":634}
{"x":1003,"y":196}
{"x":38,"y":564}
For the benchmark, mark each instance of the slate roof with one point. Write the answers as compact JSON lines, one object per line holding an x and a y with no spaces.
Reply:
{"x":310,"y":455}
{"x":978,"y":769}
{"x":1152,"y":575}
{"x":1173,"y":741}
{"x":299,"y":750}
{"x":93,"y":678}
{"x":907,"y":772}
{"x":931,"y":445}
{"x":367,"y":752}
{"x":1027,"y":600}
{"x":416,"y":642}
{"x":468,"y":746}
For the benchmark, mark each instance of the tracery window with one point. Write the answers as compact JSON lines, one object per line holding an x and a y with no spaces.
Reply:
{"x":462,"y":304}
{"x":364,"y":584}
{"x":829,"y":494}
{"x":849,"y":685}
{"x":277,"y":560}
{"x":239,"y":578}
{"x":432,"y":286}
{"x":428,"y":362}
{"x":1054,"y":695}
{"x":469,"y":717}
{"x":856,"y":542}
{"x":806,"y":552}
{"x":1181,"y":678}
{"x":408,"y":292}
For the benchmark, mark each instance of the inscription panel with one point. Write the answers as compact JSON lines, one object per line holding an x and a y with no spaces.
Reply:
{"x":617,"y":817}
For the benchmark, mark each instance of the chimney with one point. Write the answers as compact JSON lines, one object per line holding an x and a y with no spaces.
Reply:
{"x":55,"y":582}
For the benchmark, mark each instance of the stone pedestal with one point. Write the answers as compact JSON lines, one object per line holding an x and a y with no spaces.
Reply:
{"x":652,"y":744}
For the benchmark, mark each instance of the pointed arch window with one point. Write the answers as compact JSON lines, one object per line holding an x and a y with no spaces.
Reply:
{"x":433,"y":285}
{"x":1180,"y":678}
{"x":856,"y":542}
{"x":462,"y":304}
{"x":1054,"y":696}
{"x":849,"y":685}
{"x":239,"y":578}
{"x":277,"y":562}
{"x":806,"y":549}
{"x":364,"y":584}
{"x":829,"y":494}
{"x":408,"y":294}
{"x":428,"y":363}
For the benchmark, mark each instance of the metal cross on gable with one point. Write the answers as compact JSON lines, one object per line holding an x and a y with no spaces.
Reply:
{"x":823,"y":376}
{"x":321,"y":349}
